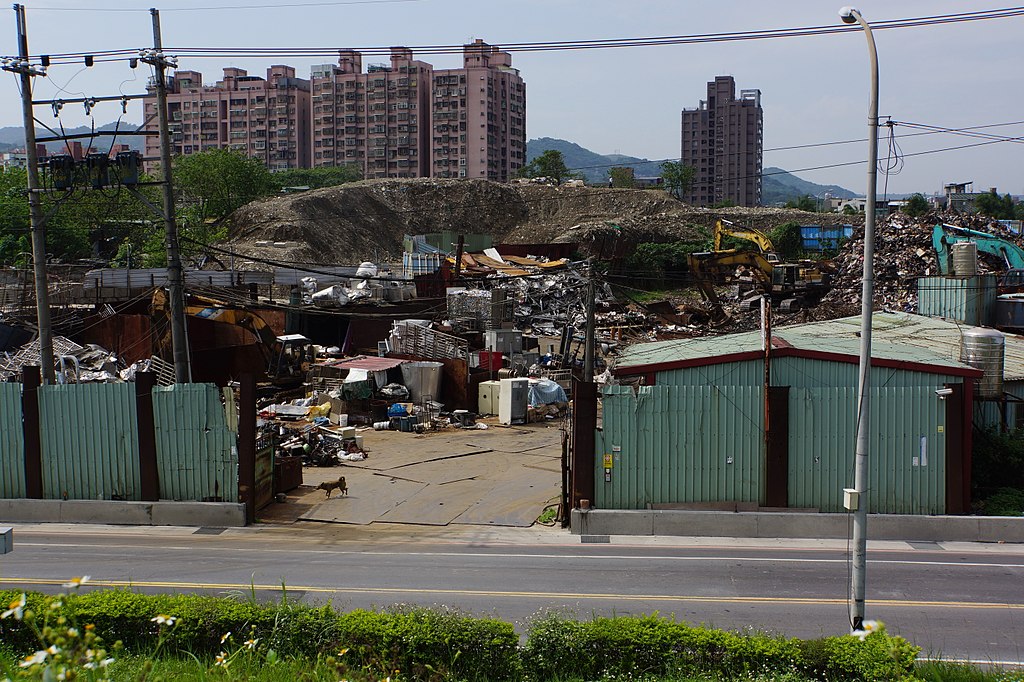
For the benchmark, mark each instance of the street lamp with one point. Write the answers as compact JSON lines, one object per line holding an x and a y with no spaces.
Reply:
{"x":850,"y":15}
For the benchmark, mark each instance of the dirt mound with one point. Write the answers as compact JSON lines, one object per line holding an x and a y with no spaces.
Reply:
{"x":351,"y":223}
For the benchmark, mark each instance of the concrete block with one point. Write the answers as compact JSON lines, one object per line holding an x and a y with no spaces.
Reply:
{"x":216,"y":514}
{"x":24,"y":510}
{"x":1001,"y":529}
{"x":704,"y":523}
{"x":923,"y":528}
{"x":612,"y":522}
{"x":801,"y":525}
{"x":108,"y":512}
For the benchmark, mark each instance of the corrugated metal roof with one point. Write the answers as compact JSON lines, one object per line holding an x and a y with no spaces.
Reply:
{"x":901,"y":337}
{"x":367,"y":362}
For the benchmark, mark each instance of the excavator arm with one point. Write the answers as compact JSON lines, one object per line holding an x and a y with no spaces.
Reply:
{"x":750,"y":234}
{"x":943,"y":236}
{"x":716,"y":267}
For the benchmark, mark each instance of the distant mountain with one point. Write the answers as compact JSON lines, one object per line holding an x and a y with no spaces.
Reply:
{"x":14,"y":136}
{"x":592,"y":166}
{"x":779,"y":186}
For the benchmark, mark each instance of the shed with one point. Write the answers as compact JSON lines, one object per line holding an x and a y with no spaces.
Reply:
{"x":701,"y":430}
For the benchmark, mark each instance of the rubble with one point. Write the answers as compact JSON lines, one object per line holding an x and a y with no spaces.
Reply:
{"x":903,"y":252}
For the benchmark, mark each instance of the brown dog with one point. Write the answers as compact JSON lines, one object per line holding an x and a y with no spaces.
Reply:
{"x":331,"y":486}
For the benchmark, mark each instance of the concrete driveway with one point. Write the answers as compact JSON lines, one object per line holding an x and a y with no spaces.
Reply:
{"x":501,"y":476}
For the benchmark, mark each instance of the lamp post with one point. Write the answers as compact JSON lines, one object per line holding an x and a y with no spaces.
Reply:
{"x":850,"y":15}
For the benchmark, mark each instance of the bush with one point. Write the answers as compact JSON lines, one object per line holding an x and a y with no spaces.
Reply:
{"x":440,"y":644}
{"x":1004,"y":502}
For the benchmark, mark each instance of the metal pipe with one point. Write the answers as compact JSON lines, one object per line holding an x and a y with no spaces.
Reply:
{"x":860,"y":515}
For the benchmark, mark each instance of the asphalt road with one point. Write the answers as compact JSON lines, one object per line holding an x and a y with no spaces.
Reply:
{"x":956,"y":601}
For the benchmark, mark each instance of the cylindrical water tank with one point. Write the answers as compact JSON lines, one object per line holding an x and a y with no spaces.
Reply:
{"x":983,"y":349}
{"x":965,"y":259}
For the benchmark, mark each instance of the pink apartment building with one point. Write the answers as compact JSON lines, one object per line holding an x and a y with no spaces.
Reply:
{"x":479,"y":117}
{"x":378,"y":121}
{"x":262,"y":118}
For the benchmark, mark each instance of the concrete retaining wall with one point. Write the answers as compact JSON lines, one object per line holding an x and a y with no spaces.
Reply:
{"x":218,"y":514}
{"x":795,"y":525}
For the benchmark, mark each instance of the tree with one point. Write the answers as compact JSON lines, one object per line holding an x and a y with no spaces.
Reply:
{"x":678,"y":178}
{"x":622,"y":177}
{"x":787,"y":239}
{"x":216,"y":182}
{"x":315,"y":178}
{"x":849,"y":210}
{"x":550,"y":164}
{"x":992,"y":205}
{"x":804,"y":203}
{"x":916,"y":205}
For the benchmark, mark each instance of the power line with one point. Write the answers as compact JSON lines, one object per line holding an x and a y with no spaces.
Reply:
{"x":545,"y":46}
{"x":331,"y":3}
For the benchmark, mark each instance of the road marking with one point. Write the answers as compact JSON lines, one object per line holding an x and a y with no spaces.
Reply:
{"x":221,"y":551}
{"x":807,"y":601}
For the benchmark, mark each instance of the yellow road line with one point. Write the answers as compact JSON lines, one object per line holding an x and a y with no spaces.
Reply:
{"x":806,"y":601}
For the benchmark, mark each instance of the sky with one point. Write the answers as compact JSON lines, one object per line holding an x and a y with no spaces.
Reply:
{"x":628,"y":100}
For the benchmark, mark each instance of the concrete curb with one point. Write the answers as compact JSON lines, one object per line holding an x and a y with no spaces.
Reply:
{"x":795,"y":525}
{"x":218,"y":514}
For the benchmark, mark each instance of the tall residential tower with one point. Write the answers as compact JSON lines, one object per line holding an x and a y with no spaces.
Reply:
{"x":723,"y":139}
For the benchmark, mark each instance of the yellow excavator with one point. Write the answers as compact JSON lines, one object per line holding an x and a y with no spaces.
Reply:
{"x":791,"y":286}
{"x":286,"y":356}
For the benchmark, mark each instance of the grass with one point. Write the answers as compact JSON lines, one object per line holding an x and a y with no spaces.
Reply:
{"x":942,"y":671}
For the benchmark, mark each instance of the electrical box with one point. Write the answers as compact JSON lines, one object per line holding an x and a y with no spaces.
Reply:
{"x":128,"y":165}
{"x":6,"y":540}
{"x":851,"y":499}
{"x":488,"y":401}
{"x":512,"y":401}
{"x":507,"y":341}
{"x":62,"y":171}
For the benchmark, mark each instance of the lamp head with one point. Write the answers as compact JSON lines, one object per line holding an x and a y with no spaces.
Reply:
{"x":849,"y":15}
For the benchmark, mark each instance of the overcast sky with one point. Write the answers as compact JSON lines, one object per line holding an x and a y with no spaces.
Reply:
{"x":814,"y":89}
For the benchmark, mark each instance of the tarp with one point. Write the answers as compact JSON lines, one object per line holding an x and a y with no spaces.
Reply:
{"x":545,"y":392}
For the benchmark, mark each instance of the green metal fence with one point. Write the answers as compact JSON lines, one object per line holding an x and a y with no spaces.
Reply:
{"x":12,"y":444}
{"x":197,"y":456}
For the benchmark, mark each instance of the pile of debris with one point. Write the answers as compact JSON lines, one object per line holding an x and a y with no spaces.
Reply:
{"x":74,"y":363}
{"x":903,"y":252}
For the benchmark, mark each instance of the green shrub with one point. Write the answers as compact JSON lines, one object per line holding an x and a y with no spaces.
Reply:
{"x":560,"y":648}
{"x":879,"y":656}
{"x":1004,"y":502}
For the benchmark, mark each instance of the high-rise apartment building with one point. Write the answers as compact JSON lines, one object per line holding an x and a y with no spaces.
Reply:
{"x":266,"y":118}
{"x":479,"y":117}
{"x":399,"y":120}
{"x":723,"y":139}
{"x":378,"y":121}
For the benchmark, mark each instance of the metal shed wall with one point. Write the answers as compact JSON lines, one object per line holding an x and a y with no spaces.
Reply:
{"x":907,"y":449}
{"x":676,"y":444}
{"x":89,"y":441}
{"x":197,"y":454}
{"x":12,"y":442}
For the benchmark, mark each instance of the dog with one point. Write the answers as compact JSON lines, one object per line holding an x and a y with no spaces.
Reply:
{"x":331,"y":486}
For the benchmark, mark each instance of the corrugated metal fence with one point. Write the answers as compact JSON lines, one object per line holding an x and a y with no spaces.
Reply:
{"x":89,"y":443}
{"x":672,"y":444}
{"x":12,"y":444}
{"x":196,"y":452}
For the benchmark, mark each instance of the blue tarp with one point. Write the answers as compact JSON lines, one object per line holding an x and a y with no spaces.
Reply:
{"x":545,"y":392}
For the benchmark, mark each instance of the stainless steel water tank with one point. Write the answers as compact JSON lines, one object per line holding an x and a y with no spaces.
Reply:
{"x":983,"y":349}
{"x":965,"y":259}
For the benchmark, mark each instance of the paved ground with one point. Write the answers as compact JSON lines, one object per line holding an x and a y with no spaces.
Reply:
{"x":501,"y":476}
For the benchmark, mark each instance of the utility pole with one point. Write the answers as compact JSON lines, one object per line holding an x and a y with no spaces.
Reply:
{"x":35,"y":212}
{"x":175,"y":285}
{"x":588,"y":348}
